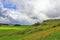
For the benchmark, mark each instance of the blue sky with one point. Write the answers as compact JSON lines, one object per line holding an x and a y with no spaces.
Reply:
{"x":8,"y":5}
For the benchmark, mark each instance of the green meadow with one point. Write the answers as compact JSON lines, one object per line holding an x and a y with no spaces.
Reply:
{"x":12,"y":32}
{"x":48,"y":30}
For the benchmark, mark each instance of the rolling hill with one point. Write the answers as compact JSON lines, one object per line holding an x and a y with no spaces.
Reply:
{"x":47,"y":30}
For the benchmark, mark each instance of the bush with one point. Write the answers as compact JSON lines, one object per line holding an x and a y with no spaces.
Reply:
{"x":17,"y":25}
{"x":54,"y":26}
{"x":37,"y":24}
{"x":3,"y":24}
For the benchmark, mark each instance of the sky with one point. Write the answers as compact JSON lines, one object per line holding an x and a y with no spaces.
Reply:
{"x":28,"y":12}
{"x":8,"y":5}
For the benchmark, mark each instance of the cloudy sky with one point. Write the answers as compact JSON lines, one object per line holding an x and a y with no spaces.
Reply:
{"x":28,"y":11}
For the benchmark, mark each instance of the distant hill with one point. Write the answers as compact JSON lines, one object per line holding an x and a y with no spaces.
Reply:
{"x":48,"y":30}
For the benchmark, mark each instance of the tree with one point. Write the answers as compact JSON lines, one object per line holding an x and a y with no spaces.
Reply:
{"x":37,"y":24}
{"x":17,"y":25}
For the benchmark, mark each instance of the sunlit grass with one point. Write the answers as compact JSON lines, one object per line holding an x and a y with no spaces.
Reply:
{"x":12,"y":32}
{"x":41,"y":35}
{"x":45,"y":31}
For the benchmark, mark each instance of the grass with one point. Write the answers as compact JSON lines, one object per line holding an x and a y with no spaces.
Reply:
{"x":12,"y":33}
{"x":48,"y":30}
{"x":53,"y":36}
{"x":41,"y":35}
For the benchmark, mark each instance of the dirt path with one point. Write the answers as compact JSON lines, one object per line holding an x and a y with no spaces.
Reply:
{"x":40,"y":34}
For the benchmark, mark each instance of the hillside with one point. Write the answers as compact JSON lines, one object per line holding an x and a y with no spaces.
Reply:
{"x":50,"y":34}
{"x":48,"y":30}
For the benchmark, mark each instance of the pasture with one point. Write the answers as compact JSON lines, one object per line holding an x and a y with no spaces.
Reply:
{"x":48,"y":30}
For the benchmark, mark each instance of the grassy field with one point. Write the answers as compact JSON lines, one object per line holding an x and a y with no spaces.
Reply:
{"x":12,"y":33}
{"x":48,"y":30}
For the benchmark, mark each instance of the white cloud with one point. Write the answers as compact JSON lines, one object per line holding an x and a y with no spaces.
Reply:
{"x":36,"y":7}
{"x":4,"y":20}
{"x":12,"y":16}
{"x":16,"y":16}
{"x":31,"y":11}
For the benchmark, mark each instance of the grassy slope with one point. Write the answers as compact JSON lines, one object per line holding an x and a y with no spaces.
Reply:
{"x":46,"y":31}
{"x":44,"y":35}
{"x":49,"y":28}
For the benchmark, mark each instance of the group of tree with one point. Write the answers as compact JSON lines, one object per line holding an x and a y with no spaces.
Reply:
{"x":37,"y":24}
{"x":10,"y":24}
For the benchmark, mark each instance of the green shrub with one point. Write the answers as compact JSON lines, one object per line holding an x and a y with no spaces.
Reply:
{"x":37,"y":24}
{"x":17,"y":25}
{"x":54,"y":26}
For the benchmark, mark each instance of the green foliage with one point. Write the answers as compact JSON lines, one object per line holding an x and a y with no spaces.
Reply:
{"x":17,"y":25}
{"x":54,"y":26}
{"x":16,"y":32}
{"x":12,"y":33}
{"x":53,"y":36}
{"x":37,"y":24}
